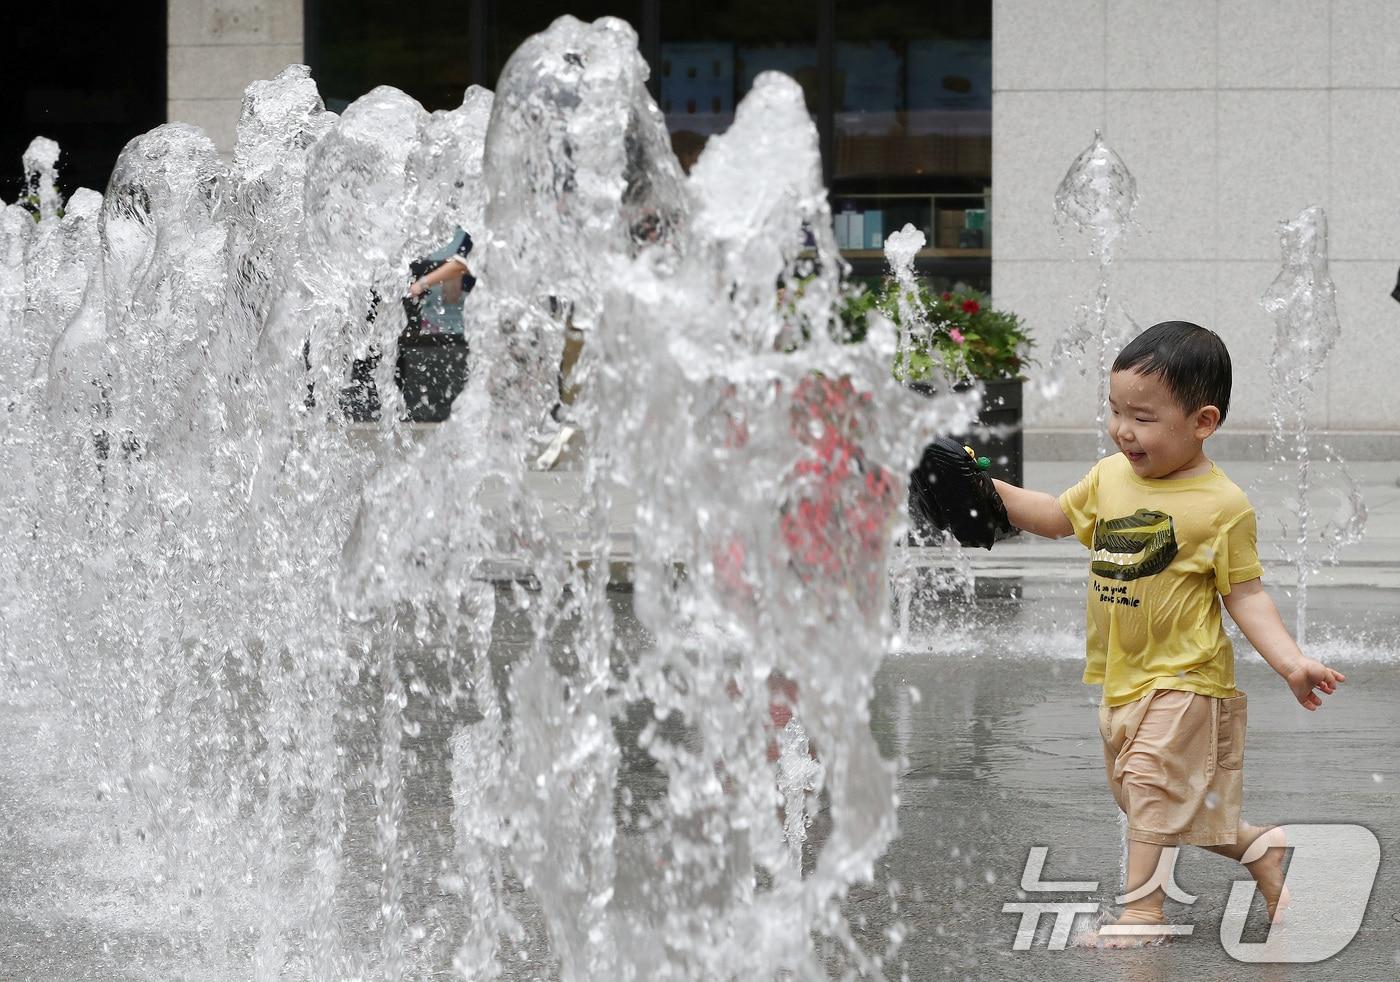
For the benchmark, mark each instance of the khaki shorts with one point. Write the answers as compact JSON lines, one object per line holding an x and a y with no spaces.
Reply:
{"x":1175,"y":762}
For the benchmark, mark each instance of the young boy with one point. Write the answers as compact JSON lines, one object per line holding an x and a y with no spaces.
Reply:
{"x":1168,"y":532}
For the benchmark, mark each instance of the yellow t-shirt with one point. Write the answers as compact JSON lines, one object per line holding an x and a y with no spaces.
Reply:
{"x":1162,"y":550}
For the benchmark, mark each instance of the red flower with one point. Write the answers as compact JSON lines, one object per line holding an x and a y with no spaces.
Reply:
{"x":947,"y":296}
{"x":970,"y":306}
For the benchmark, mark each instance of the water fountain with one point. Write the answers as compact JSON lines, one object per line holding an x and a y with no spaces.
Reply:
{"x":1303,"y":302}
{"x":365,"y":709}
{"x":913,"y":573}
{"x":1096,"y":196}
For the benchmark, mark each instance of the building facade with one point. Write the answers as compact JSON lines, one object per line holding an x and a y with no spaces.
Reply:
{"x":1232,"y":115}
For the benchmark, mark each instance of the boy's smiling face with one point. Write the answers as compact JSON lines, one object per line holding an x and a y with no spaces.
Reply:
{"x":1159,"y":438}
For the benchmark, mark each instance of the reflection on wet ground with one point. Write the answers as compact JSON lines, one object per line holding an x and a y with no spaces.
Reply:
{"x":998,"y":752}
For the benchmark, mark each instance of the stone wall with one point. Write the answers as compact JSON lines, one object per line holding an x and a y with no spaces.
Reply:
{"x":1232,"y":114}
{"x":216,"y":47}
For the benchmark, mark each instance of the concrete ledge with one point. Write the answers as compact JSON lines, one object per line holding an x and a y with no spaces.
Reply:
{"x":1228,"y":444}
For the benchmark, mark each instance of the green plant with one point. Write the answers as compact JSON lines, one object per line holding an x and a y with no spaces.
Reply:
{"x":958,"y":332}
{"x":30,"y":202}
{"x":853,"y":322}
{"x":954,"y":333}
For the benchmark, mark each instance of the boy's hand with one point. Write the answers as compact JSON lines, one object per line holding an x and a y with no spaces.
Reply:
{"x":1312,"y":675}
{"x":951,"y":491}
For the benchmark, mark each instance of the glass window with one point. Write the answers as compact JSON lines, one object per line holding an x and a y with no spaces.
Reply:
{"x":950,"y":104}
{"x":359,"y":44}
{"x":911,"y":132}
{"x":508,"y":24}
{"x":711,"y":53}
{"x":913,"y":91}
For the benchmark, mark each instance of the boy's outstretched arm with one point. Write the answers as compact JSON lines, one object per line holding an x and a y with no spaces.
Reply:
{"x":1034,"y":511}
{"x":1254,"y":611}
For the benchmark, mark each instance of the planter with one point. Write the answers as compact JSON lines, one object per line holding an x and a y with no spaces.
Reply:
{"x":998,"y":433}
{"x":996,"y":436}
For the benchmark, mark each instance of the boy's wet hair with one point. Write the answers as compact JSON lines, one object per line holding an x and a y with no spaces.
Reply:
{"x":1191,"y":361}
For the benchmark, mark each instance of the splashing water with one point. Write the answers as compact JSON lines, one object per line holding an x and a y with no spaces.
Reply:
{"x":277,"y":629}
{"x":1096,"y":196}
{"x":900,"y":249}
{"x":1303,"y":302}
{"x":41,"y":175}
{"x":910,"y":575}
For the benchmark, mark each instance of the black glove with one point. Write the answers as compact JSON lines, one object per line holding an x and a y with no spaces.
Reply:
{"x":950,"y":490}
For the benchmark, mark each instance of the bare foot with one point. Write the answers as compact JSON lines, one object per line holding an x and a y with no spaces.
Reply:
{"x":1140,"y":921}
{"x":1267,"y":870}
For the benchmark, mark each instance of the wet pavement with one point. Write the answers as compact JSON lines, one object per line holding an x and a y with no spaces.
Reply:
{"x":997,"y":751}
{"x":1000,"y":752}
